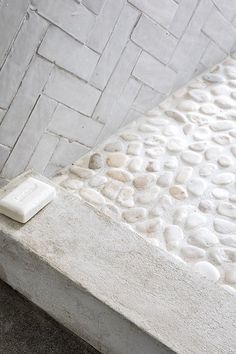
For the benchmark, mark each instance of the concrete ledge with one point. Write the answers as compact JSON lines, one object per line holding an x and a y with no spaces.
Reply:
{"x":110,"y":286}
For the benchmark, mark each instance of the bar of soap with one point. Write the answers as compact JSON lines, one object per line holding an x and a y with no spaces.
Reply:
{"x":26,"y":199}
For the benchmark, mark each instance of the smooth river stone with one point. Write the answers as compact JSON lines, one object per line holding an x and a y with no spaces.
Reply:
{"x":97,"y":181}
{"x":220,"y":193}
{"x":184,"y":174}
{"x":203,"y":237}
{"x":224,"y":227}
{"x":206,"y":206}
{"x":191,"y":157}
{"x":144,"y":181}
{"x":221,"y":126}
{"x":173,"y":235}
{"x":135,"y":165}
{"x":199,"y":146}
{"x":155,"y":152}
{"x":180,"y":216}
{"x":223,"y":178}
{"x":170,"y":130}
{"x":148,"y":196}
{"x":229,"y":289}
{"x":129,"y":136}
{"x":171,"y":163}
{"x":125,"y":197}
{"x":227,"y":209}
{"x":178,"y":192}
{"x":207,"y":270}
{"x":229,"y":241}
{"x":165,"y":179}
{"x":92,"y":196}
{"x":220,"y":90}
{"x":175,"y":145}
{"x":233,"y":150}
{"x":111,"y":210}
{"x":196,"y":186}
{"x":213,"y":78}
{"x":212,"y":153}
{"x":150,"y":226}
{"x":192,"y":252}
{"x":114,"y":147}
{"x":153,"y":166}
{"x":119,"y":175}
{"x":198,"y":119}
{"x":72,"y":183}
{"x":201,"y":133}
{"x":176,"y":115}
{"x":188,"y":106}
{"x":111,"y":189}
{"x":83,"y":173}
{"x":154,"y":140}
{"x":230,"y":274}
{"x":221,"y":139}
{"x":116,"y":159}
{"x":187,"y":128}
{"x":134,"y":149}
{"x":95,"y":161}
{"x":232,"y":198}
{"x":206,"y":170}
{"x":224,"y":161}
{"x":194,"y":220}
{"x":199,"y":95}
{"x":208,"y":108}
{"x":224,"y":102}
{"x":134,"y":215}
{"x":146,"y":128}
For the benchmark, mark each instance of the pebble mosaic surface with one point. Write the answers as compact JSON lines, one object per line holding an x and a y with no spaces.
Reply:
{"x":170,"y":176}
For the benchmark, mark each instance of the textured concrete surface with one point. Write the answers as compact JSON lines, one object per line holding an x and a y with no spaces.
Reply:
{"x":25,"y":329}
{"x":111,"y":287}
{"x":123,"y":59}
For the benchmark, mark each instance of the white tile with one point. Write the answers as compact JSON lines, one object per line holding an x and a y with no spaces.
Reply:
{"x":227,"y":7}
{"x":114,"y":47}
{"x":212,"y":55}
{"x":74,"y":126}
{"x":71,"y":16}
{"x":147,"y":98}
{"x":28,"y":93}
{"x":4,"y":153}
{"x":72,"y":91}
{"x":154,"y":39}
{"x":182,"y":17}
{"x":154,"y":74}
{"x":94,"y":5}
{"x":104,"y":24}
{"x":162,"y":11}
{"x":30,"y":137}
{"x":19,"y":58}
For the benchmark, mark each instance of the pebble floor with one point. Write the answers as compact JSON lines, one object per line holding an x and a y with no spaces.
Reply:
{"x":170,"y":175}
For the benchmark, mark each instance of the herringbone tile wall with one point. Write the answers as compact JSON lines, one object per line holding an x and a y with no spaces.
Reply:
{"x":72,"y":72}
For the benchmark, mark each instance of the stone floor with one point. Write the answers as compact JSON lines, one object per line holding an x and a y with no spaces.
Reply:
{"x":25,"y":329}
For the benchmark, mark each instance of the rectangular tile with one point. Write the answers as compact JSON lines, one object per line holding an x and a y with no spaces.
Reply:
{"x":114,"y":47}
{"x":162,"y":11}
{"x":74,"y":126}
{"x":104,"y":24}
{"x":227,"y":7}
{"x":154,"y":74}
{"x":72,"y":91}
{"x":17,"y":61}
{"x":72,"y":56}
{"x":117,"y":82}
{"x":154,"y":39}
{"x":147,"y":98}
{"x":30,"y":137}
{"x":11,"y":16}
{"x":212,"y":55}
{"x":182,"y":17}
{"x":70,"y":15}
{"x":28,"y":93}
{"x":43,"y":152}
{"x":4,"y":153}
{"x":94,"y":5}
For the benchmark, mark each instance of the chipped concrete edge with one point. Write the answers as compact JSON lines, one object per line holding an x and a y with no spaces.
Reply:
{"x":110,"y":286}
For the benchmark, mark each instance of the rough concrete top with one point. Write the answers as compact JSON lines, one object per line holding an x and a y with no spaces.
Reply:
{"x":134,"y":278}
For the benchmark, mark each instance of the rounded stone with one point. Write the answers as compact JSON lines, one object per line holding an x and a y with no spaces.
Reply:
{"x":229,"y":241}
{"x":220,"y":90}
{"x":150,"y":226}
{"x":134,"y":215}
{"x":220,"y":193}
{"x":153,"y":166}
{"x":134,"y":149}
{"x":116,"y":159}
{"x":120,"y":175}
{"x":201,"y":133}
{"x":165,"y":179}
{"x":187,"y":128}
{"x":146,"y":128}
{"x":194,"y":220}
{"x":203,"y":237}
{"x":171,"y":163}
{"x":125,"y":197}
{"x":180,"y":216}
{"x":97,"y":181}
{"x":148,"y":196}
{"x":212,"y":153}
{"x":184,"y":174}
{"x":175,"y":145}
{"x":176,"y":115}
{"x":221,"y":126}
{"x":213,"y":78}
{"x":199,"y":95}
{"x":206,"y":170}
{"x":199,"y":146}
{"x":178,"y":192}
{"x":224,"y":227}
{"x":192,"y":252}
{"x":224,"y":102}
{"x":208,"y":108}
{"x":111,"y":210}
{"x":114,"y":147}
{"x":144,"y":181}
{"x":196,"y":186}
{"x":128,"y":136}
{"x":191,"y":157}
{"x":230,"y":274}
{"x":154,"y":140}
{"x":173,"y":236}
{"x":135,"y":165}
{"x":232,"y":198}
{"x":95,"y":161}
{"x":206,"y":206}
{"x":221,"y":139}
{"x":233,"y":150}
{"x":155,"y":152}
{"x":223,"y":178}
{"x":229,"y":289}
{"x":111,"y":189}
{"x":227,"y":209}
{"x":74,"y":184}
{"x":170,"y":130}
{"x":83,"y":173}
{"x":224,"y":161}
{"x":188,"y":106}
{"x":92,"y":196}
{"x":207,"y":270}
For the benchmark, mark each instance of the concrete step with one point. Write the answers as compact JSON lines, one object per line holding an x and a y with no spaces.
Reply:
{"x":109,"y":286}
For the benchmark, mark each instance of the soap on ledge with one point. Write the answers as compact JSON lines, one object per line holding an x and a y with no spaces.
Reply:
{"x":25,"y":200}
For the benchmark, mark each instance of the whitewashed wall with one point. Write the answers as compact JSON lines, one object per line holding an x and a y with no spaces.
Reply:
{"x":72,"y":72}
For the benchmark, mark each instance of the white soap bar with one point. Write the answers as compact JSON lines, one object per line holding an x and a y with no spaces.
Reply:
{"x":26,"y":199}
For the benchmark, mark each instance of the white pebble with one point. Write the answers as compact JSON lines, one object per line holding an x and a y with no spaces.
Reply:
{"x":220,"y":193}
{"x":223,"y":178}
{"x":224,"y":227}
{"x":173,"y":236}
{"x":207,"y":270}
{"x":191,"y":157}
{"x":178,"y":192}
{"x":227,"y":209}
{"x":92,"y":196}
{"x":135,"y":214}
{"x":196,"y":186}
{"x":203,"y":237}
{"x":184,"y":174}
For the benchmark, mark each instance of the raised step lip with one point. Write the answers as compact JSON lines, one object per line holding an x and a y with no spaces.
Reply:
{"x":111,"y":287}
